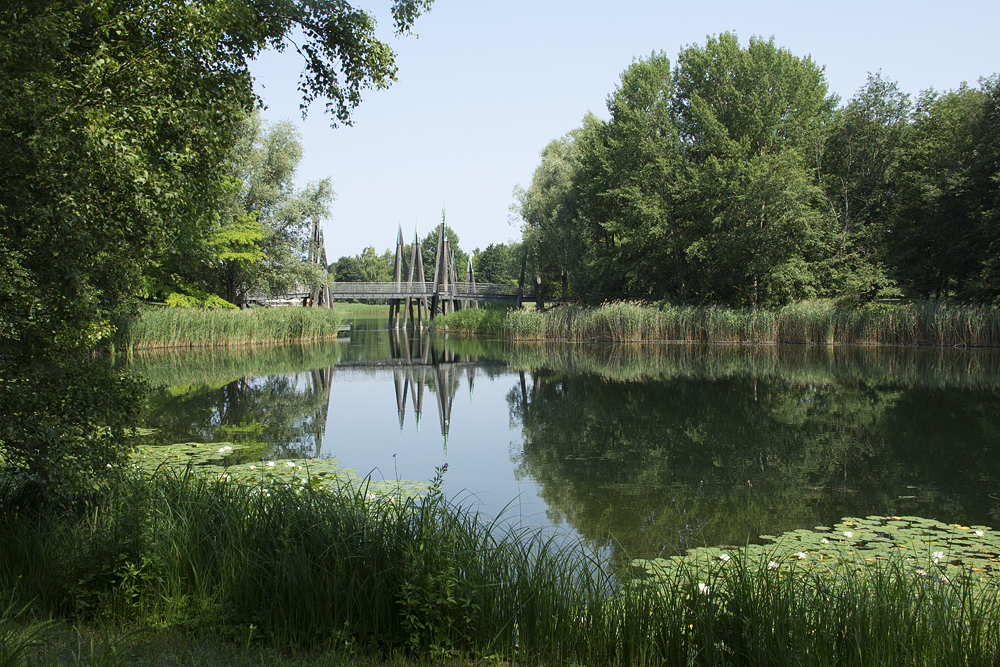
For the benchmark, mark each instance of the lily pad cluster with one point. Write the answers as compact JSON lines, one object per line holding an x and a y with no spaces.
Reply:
{"x":219,"y":460}
{"x":948,"y":553}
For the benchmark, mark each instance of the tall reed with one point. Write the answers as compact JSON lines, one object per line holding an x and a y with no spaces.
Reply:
{"x":297,"y":566}
{"x":207,"y":327}
{"x":811,"y":322}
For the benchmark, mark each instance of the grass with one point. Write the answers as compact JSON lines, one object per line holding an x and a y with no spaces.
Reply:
{"x":812,"y":322}
{"x":164,"y":327}
{"x":284,"y":570}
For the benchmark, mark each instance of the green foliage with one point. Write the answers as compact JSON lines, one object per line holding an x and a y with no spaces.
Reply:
{"x":946,"y":224}
{"x":275,"y":566}
{"x":117,"y":125}
{"x":63,"y":430}
{"x":734,"y":179}
{"x":498,"y":264}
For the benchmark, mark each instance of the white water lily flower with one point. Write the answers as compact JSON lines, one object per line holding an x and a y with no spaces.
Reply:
{"x":289,"y":464}
{"x":825,"y":541}
{"x":724,"y":558}
{"x":225,"y":449}
{"x":772,"y":565}
{"x":253,"y":467}
{"x":922,"y":573}
{"x":270,"y":464}
{"x":848,"y":533}
{"x":704,"y":589}
{"x":801,"y":555}
{"x":937,"y":555}
{"x":979,"y":533}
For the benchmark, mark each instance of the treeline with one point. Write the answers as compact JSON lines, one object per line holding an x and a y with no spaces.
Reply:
{"x":735,"y":177}
{"x":499,"y":263}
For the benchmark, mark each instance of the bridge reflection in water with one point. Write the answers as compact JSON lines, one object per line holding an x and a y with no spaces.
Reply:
{"x":416,"y":364}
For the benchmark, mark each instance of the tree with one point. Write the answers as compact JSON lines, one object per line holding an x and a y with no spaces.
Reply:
{"x":751,"y":123}
{"x":366,"y":267}
{"x":629,"y":186}
{"x":263,"y":233}
{"x":553,"y":231}
{"x":116,"y":122}
{"x":499,"y":263}
{"x":702,"y":186}
{"x":944,"y":230}
{"x":860,"y":173}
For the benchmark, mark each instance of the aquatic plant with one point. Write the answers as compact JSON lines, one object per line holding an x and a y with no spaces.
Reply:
{"x":813,"y":322}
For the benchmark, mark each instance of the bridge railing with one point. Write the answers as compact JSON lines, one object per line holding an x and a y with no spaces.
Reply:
{"x":393,"y":291}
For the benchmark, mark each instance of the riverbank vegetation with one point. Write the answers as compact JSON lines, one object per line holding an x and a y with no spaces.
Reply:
{"x":162,"y":327}
{"x":273,"y":565}
{"x":813,"y":322}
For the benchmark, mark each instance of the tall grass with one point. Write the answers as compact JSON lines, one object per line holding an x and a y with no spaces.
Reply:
{"x":296,"y":566}
{"x":813,"y":322}
{"x":208,"y":327}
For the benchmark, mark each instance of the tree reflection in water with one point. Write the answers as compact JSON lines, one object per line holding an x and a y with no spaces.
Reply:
{"x":648,"y":449}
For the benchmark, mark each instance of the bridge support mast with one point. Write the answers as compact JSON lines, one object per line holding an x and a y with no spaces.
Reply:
{"x":417,"y":271}
{"x":397,"y":277}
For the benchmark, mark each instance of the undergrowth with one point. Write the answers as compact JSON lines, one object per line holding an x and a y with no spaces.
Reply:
{"x":295,"y":567}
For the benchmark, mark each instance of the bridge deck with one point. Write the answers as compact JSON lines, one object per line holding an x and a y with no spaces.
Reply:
{"x":461,"y":291}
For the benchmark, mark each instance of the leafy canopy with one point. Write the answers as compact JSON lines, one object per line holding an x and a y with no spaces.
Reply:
{"x":116,"y":124}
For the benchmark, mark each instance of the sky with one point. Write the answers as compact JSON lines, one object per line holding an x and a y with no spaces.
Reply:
{"x":484,"y":86}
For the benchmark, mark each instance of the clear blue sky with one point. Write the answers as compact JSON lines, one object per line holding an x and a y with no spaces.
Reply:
{"x":488,"y":84}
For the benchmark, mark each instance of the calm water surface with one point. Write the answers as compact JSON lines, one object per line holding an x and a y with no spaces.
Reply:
{"x":641,"y":450}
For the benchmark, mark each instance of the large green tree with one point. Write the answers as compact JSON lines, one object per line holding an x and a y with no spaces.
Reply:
{"x":263,"y":234}
{"x":116,"y":121}
{"x":945,"y":232}
{"x":860,"y":175}
{"x":629,"y":189}
{"x":553,"y":235}
{"x":750,"y":122}
{"x":702,"y":186}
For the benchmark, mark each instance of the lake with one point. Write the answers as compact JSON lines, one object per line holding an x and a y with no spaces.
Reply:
{"x":638,"y":450}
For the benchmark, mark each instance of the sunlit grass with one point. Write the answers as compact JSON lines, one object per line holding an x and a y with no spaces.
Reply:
{"x":206,"y":327}
{"x":811,"y":322}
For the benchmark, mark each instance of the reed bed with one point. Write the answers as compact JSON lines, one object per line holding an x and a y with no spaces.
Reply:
{"x":293,"y":566}
{"x":209,"y":327}
{"x":809,"y":322}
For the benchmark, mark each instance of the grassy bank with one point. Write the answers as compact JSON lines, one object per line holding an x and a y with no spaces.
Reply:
{"x":163,"y":327}
{"x":276,"y":567}
{"x":816,"y":322}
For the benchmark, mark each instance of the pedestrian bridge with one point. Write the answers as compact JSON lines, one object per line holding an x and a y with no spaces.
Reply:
{"x":459,"y":291}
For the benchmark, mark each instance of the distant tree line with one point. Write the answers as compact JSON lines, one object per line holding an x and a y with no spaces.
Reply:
{"x":499,"y":263}
{"x":735,"y":177}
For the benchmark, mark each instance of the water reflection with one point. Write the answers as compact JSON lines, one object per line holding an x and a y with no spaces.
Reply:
{"x":643,"y":450}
